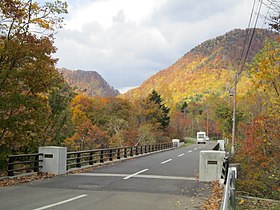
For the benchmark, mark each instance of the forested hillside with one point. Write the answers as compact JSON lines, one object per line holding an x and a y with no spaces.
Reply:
{"x":206,"y":69}
{"x":89,"y":83}
{"x":199,"y":89}
{"x":39,"y":108}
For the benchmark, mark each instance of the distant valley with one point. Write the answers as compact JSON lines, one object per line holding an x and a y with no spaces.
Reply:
{"x":207,"y":69}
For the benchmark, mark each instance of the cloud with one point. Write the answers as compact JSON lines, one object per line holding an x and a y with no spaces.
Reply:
{"x":128,"y":41}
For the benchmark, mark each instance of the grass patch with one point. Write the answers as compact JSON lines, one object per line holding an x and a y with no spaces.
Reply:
{"x":189,"y":141}
{"x":243,"y":204}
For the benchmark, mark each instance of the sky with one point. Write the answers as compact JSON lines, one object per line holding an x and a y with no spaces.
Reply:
{"x":127,"y":41}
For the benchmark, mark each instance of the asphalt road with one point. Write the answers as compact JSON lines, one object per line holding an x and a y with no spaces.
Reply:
{"x":165,"y":180}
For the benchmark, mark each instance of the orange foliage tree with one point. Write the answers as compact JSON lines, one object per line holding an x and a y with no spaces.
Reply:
{"x":259,"y":152}
{"x":87,"y":135}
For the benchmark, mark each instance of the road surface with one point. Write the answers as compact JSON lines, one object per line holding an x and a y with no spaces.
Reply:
{"x":165,"y":180}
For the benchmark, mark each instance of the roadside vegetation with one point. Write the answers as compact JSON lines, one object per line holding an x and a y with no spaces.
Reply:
{"x":39,"y":108}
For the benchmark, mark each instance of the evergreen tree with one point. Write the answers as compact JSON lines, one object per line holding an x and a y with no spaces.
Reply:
{"x":184,"y":108}
{"x":163,"y":116}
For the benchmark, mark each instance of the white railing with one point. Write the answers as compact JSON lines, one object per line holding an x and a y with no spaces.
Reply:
{"x":228,"y":201}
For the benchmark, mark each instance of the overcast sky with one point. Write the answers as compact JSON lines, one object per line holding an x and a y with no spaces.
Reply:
{"x":127,"y":41}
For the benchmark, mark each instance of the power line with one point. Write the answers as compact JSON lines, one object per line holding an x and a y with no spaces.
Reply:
{"x":252,"y":36}
{"x":247,"y":32}
{"x":241,"y":69}
{"x":268,"y":10}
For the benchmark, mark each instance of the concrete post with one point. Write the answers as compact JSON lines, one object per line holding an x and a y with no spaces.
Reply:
{"x":221,"y":144}
{"x":176,"y":142}
{"x":54,"y":159}
{"x":210,"y":165}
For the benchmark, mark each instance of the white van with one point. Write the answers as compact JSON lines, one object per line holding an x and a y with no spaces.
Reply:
{"x":201,"y":137}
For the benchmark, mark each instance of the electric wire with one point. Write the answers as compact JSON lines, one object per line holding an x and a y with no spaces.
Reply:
{"x":252,"y":36}
{"x":247,"y":32}
{"x":266,"y":15}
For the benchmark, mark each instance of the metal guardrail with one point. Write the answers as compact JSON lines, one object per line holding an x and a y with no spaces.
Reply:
{"x":25,"y":163}
{"x":228,"y":201}
{"x":90,"y":157}
{"x":225,"y":169}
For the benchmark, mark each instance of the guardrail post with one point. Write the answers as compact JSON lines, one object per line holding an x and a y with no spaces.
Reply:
{"x":125,"y":153}
{"x":119,"y":153}
{"x":111,"y":155}
{"x":11,"y":166}
{"x":149,"y":148}
{"x":36,"y":164}
{"x":131,"y":151}
{"x":145,"y":151}
{"x":101,"y":157}
{"x":136,"y":151}
{"x":78,"y":160}
{"x":90,"y":158}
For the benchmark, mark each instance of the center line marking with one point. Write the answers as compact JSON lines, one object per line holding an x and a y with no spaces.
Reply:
{"x":166,"y":161}
{"x":181,"y":155}
{"x":61,"y":202}
{"x":195,"y":148}
{"x":139,"y":172}
{"x":190,"y":151}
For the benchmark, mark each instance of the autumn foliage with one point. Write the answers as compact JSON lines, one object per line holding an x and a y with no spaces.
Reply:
{"x":39,"y":108}
{"x":259,"y":150}
{"x":113,"y":122}
{"x":34,"y":98}
{"x":259,"y":155}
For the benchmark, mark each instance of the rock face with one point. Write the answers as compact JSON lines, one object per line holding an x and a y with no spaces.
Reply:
{"x":89,"y":83}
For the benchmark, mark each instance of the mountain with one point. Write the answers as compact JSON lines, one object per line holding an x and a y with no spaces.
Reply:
{"x":88,"y":82}
{"x":206,"y":69}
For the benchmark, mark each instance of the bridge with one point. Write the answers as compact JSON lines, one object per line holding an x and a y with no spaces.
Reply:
{"x":163,"y":180}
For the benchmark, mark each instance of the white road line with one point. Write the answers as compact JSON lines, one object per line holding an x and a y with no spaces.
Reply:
{"x":138,"y":176}
{"x":195,"y":148}
{"x":166,"y":161}
{"x":190,"y":151}
{"x":101,"y":174}
{"x":61,"y":202}
{"x":167,"y":177}
{"x":181,"y":155}
{"x":139,"y":172}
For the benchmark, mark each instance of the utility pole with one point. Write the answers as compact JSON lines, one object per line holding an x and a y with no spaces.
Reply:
{"x":207,"y":120}
{"x":234,"y":112}
{"x":207,"y":127}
